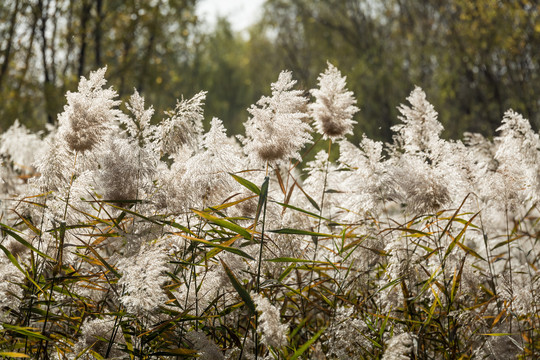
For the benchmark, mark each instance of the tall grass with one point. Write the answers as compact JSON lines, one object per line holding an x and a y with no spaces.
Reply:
{"x":174,"y":243}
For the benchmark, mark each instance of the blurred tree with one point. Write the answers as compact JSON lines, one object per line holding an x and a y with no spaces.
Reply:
{"x":235,"y":70}
{"x":46,"y":45}
{"x":354,"y":36}
{"x":474,"y":59}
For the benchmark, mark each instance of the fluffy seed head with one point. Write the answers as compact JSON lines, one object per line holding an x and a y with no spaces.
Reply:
{"x":277,"y":129}
{"x":89,"y":113}
{"x":334,"y":105}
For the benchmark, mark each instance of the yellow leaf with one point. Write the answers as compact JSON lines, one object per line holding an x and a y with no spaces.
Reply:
{"x":14,"y":355}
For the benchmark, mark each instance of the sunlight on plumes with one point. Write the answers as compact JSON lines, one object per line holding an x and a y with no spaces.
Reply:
{"x":400,"y":347}
{"x":276,"y":130}
{"x":149,"y":237}
{"x":89,"y":113}
{"x":274,"y":333}
{"x":334,"y":107}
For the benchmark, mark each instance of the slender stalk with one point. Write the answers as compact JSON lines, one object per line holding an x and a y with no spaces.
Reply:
{"x":264,"y":192}
{"x":320,"y":212}
{"x":70,"y":185}
{"x":261,"y":248}
{"x":509,"y":262}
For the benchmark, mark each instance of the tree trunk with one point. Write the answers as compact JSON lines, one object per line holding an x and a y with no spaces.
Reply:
{"x":29,"y":52}
{"x":43,"y":8}
{"x":11,"y":33}
{"x":97,"y":33}
{"x":85,"y":16}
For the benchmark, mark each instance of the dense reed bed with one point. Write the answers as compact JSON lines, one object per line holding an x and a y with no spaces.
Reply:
{"x":131,"y":235}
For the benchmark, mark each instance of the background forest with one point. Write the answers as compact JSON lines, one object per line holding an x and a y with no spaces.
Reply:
{"x":342,"y":222}
{"x":474,"y":59}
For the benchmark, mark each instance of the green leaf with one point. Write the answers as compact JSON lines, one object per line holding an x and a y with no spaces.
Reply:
{"x":133,"y":213}
{"x":413,"y":232}
{"x":13,"y":234}
{"x":299,"y":327}
{"x":244,"y":294}
{"x":105,"y":263}
{"x":247,"y":184}
{"x":306,"y":345}
{"x":18,"y":266}
{"x":222,"y":247}
{"x":456,"y":240}
{"x":286,"y":272}
{"x":295,"y":260}
{"x":224,"y":223}
{"x":26,"y":331}
{"x":177,"y":352}
{"x":262,"y":197}
{"x":311,"y":201}
{"x":178,"y":226}
{"x":14,"y":355}
{"x":499,"y":244}
{"x":301,"y":210}
{"x":301,"y":232}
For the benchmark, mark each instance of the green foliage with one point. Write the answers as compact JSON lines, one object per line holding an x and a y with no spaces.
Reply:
{"x":476,"y":59}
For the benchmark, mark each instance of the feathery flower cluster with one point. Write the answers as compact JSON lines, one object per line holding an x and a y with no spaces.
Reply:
{"x":420,"y":130}
{"x":334,"y":106}
{"x":208,"y":350}
{"x":95,"y":337}
{"x":21,"y":156}
{"x":167,"y":227}
{"x":399,"y":347}
{"x":89,"y":113}
{"x":278,"y":128}
{"x":184,"y":126}
{"x":142,"y":277}
{"x":274,"y":333}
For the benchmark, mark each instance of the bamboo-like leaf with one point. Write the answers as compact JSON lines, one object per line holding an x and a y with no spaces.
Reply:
{"x":295,"y":260}
{"x":413,"y":232}
{"x":286,"y":272}
{"x":229,"y":204}
{"x":311,"y":201}
{"x":470,"y":251}
{"x":244,"y":294}
{"x":456,"y":281}
{"x":14,"y":355}
{"x":455,"y":215}
{"x":427,"y":284}
{"x":262,"y":198}
{"x":133,"y":213}
{"x":177,"y":352}
{"x":104,"y":262}
{"x":456,"y":240}
{"x":13,"y":233}
{"x":246,"y":183}
{"x":301,"y":210}
{"x":18,"y":266}
{"x":224,"y":246}
{"x":26,"y":331}
{"x":28,"y":223}
{"x":302,"y":232}
{"x":178,"y":226}
{"x":503,"y":243}
{"x":499,"y":317}
{"x":280,"y":181}
{"x":224,"y":223}
{"x":307,"y":344}
{"x":300,"y":326}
